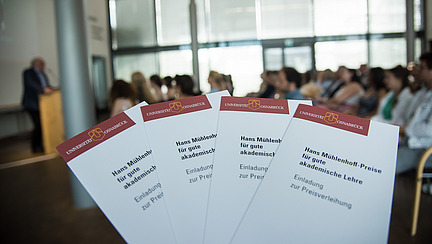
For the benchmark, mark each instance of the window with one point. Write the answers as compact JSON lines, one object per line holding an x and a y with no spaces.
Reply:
{"x":387,"y":53}
{"x":232,"y":20}
{"x":173,"y":22}
{"x":243,"y":63}
{"x":175,"y":63}
{"x":386,"y":16}
{"x":340,"y":17}
{"x":281,"y":19}
{"x":237,"y":37}
{"x":273,"y":58}
{"x":330,"y":55}
{"x":125,"y":65}
{"x":135,"y":21}
{"x":299,"y":58}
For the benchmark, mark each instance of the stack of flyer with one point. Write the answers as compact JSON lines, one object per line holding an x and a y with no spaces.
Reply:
{"x":221,"y":169}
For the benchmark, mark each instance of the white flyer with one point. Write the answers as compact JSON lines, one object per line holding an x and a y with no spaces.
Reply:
{"x":331,"y":181}
{"x":114,"y":162}
{"x":249,"y":132}
{"x":182,"y":134}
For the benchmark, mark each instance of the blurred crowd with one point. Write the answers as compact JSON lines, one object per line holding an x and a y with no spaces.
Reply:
{"x":401,"y":96}
{"x":124,"y":94}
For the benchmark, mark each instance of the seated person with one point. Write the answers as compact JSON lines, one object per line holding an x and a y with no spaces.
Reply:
{"x":376,"y":90}
{"x":335,"y":85}
{"x":216,"y":81}
{"x":289,"y":82}
{"x":184,"y":87}
{"x":325,"y":79}
{"x":416,"y":136}
{"x":347,"y":97}
{"x":122,"y":97}
{"x":392,"y":107}
{"x":267,"y":87}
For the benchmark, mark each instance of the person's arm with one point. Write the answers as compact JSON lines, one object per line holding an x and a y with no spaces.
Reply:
{"x":350,"y":90}
{"x":421,"y":128}
{"x":401,"y":107}
{"x":421,"y":124}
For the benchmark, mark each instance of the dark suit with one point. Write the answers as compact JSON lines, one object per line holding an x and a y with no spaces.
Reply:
{"x":32,"y":88}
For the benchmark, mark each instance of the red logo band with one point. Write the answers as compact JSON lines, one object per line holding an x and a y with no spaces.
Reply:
{"x":94,"y":136}
{"x":172,"y":108}
{"x":333,"y":119}
{"x":260,"y":105}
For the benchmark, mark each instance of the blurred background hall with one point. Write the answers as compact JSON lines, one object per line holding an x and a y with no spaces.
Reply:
{"x":160,"y":47}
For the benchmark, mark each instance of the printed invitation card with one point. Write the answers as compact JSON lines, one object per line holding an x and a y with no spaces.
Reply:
{"x":249,"y":132}
{"x":182,"y":135}
{"x":331,"y":181}
{"x":114,"y":162}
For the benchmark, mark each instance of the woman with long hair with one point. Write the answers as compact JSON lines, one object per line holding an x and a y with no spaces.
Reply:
{"x":122,"y":97}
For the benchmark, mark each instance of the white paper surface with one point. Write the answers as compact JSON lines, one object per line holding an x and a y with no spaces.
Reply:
{"x":236,"y":175}
{"x":176,"y":141}
{"x":343,"y":196}
{"x":119,"y":173}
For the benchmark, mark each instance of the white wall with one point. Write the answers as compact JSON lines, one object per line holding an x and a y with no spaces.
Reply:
{"x":27,"y":30}
{"x":98,"y":27}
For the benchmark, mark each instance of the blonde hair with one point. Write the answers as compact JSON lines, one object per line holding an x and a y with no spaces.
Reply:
{"x":142,"y":88}
{"x":218,"y":79}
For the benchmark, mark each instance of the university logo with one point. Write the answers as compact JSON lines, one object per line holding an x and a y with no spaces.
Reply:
{"x":254,"y":104}
{"x":176,"y":107}
{"x":331,"y":118}
{"x":96,"y":134}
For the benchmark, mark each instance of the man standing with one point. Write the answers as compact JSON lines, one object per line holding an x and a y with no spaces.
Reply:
{"x":35,"y":83}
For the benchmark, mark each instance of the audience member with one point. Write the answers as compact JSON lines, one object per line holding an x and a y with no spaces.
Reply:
{"x":229,"y":83}
{"x":216,"y":81}
{"x":416,"y":136}
{"x":336,"y":84}
{"x":363,"y":73}
{"x":375,"y":92}
{"x":420,"y":89}
{"x":325,"y":79}
{"x":394,"y":104}
{"x":184,"y":86}
{"x":415,"y":83}
{"x":168,"y":87}
{"x":267,"y":86}
{"x":142,"y":88}
{"x":308,"y":76}
{"x":159,"y":89}
{"x":269,"y":80}
{"x":310,"y":89}
{"x":289,"y":82}
{"x":348,"y":96}
{"x":122,"y":97}
{"x":35,"y":83}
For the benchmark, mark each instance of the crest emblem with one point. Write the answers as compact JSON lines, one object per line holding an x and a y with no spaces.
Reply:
{"x":176,"y":107}
{"x":96,"y":134}
{"x":331,"y":118}
{"x":254,"y":104}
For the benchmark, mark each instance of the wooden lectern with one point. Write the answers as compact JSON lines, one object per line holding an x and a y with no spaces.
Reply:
{"x":51,"y":114}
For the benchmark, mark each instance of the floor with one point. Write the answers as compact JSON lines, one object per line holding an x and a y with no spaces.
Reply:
{"x":37,"y":206}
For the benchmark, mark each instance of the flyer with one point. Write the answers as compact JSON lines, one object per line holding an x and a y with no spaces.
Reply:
{"x":249,"y":132}
{"x":182,"y":134}
{"x":114,"y":162}
{"x":333,"y":183}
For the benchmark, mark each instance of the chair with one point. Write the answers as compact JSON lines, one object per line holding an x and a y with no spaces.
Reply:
{"x":419,"y":180}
